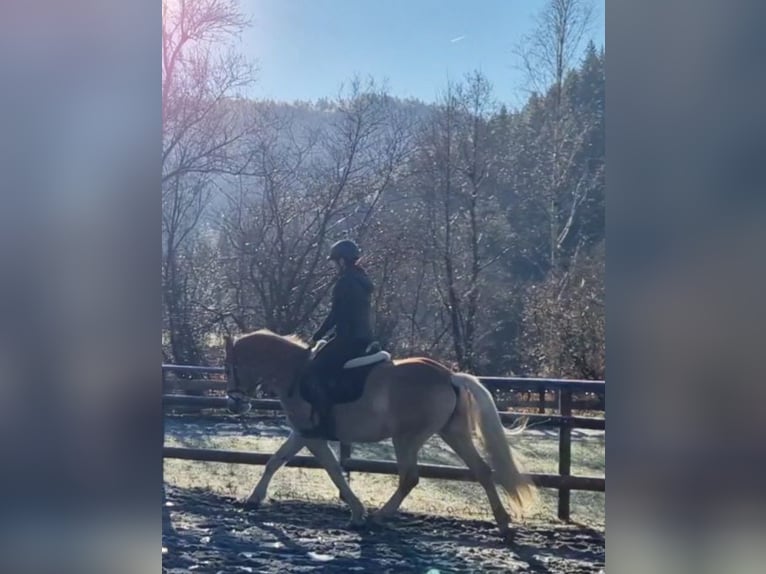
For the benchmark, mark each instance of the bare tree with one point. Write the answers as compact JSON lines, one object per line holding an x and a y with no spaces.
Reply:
{"x":302,"y":191}
{"x":547,"y":55}
{"x":565,"y":332}
{"x":458,"y":206}
{"x":558,"y":176}
{"x":548,"y":52}
{"x":202,"y":129}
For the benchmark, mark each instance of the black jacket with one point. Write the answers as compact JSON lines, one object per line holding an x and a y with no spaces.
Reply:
{"x":351,"y":305}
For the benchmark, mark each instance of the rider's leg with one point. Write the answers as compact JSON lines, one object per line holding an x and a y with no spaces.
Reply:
{"x":325,"y":369}
{"x":322,"y":369}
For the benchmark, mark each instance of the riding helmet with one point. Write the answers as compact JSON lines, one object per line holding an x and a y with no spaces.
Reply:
{"x":344,"y":249}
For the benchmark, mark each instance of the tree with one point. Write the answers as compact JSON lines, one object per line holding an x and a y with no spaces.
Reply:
{"x":548,"y":55}
{"x":564,"y":331}
{"x":459,"y":204}
{"x":202,"y":131}
{"x":549,"y":51}
{"x":559,"y":178}
{"x":299,"y":194}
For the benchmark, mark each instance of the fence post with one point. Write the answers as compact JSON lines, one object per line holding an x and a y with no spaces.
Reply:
{"x":345,"y":454}
{"x":565,"y":449}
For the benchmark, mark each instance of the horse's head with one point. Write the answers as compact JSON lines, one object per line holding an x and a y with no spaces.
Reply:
{"x":261,"y":359}
{"x":238,"y":402}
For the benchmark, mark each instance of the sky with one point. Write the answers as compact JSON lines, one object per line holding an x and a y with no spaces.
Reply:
{"x":305,"y":49}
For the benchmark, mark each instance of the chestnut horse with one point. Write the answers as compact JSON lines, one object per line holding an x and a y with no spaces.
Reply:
{"x":407,"y":400}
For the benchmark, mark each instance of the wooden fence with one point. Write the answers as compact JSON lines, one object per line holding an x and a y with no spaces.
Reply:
{"x":564,"y":391}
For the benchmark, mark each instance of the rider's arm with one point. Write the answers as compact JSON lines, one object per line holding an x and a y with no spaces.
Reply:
{"x":338,"y":309}
{"x":327,"y":324}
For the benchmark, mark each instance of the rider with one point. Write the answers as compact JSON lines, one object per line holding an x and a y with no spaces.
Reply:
{"x":350,"y":318}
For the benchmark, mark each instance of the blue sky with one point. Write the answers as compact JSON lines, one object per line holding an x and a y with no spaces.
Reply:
{"x":306,"y":48}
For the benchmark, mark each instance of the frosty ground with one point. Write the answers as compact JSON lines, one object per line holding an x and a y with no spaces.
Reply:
{"x":445,"y":525}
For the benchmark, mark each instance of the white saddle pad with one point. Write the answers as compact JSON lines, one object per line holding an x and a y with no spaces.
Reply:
{"x":378,"y":357}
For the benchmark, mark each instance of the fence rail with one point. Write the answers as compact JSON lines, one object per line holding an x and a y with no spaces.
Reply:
{"x":543,"y":421}
{"x":590,"y":402}
{"x":500,"y":383}
{"x":564,"y":482}
{"x":374,"y":466}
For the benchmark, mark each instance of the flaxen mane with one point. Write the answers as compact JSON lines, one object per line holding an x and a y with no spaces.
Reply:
{"x":292,"y":338}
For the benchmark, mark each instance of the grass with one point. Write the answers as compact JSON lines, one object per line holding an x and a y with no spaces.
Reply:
{"x":538,"y":451}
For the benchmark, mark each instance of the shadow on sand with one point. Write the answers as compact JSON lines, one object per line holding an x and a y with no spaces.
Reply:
{"x":204,"y":531}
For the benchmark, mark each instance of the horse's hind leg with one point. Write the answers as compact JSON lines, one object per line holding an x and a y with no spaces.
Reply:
{"x":289,"y":449}
{"x":406,"y":448}
{"x":458,"y":437}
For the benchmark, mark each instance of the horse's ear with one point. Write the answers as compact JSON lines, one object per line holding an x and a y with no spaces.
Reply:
{"x":228,"y":345}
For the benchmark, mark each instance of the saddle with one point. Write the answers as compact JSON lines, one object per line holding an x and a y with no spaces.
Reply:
{"x":348,"y":386}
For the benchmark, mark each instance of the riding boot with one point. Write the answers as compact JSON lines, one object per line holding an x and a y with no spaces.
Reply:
{"x":326,"y":425}
{"x":322,"y":406}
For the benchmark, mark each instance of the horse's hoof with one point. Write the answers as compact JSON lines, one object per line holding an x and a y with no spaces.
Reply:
{"x":252,"y":503}
{"x":357,"y":522}
{"x":378,"y":518}
{"x":508,"y":535}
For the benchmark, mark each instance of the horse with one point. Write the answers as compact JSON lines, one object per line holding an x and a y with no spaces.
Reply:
{"x":407,"y":400}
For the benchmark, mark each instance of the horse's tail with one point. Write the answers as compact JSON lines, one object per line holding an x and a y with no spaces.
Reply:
{"x":486,"y":425}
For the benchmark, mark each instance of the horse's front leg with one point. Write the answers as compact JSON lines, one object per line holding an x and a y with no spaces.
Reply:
{"x":288,"y":450}
{"x":326,"y":457}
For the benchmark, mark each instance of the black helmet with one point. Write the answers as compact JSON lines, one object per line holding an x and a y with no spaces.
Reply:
{"x":344,"y":249}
